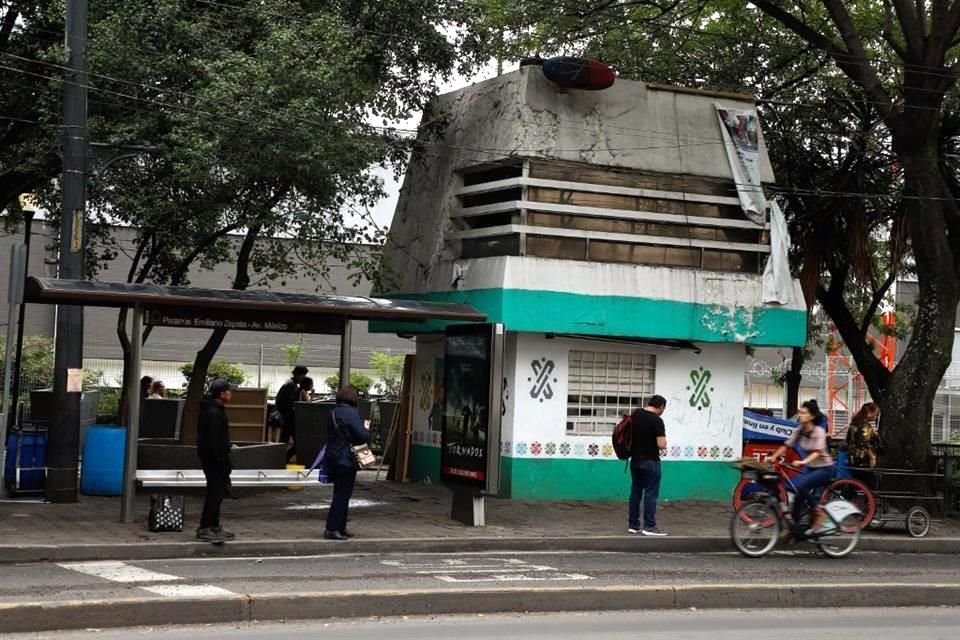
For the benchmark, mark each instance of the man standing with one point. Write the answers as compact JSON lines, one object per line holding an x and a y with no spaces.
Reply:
{"x":649,"y":438}
{"x":213,"y":446}
{"x":287,"y":396}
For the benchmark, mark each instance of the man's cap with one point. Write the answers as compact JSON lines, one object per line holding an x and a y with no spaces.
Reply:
{"x":300,"y":370}
{"x":219,"y":386}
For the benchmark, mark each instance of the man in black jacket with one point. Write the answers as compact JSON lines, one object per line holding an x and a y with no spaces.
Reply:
{"x":213,"y":446}
{"x":287,"y":397}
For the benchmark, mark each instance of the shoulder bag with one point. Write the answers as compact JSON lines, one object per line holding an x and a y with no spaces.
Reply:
{"x":362,"y":454}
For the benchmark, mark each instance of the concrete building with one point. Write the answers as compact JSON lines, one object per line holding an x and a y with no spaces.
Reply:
{"x":603,"y":230}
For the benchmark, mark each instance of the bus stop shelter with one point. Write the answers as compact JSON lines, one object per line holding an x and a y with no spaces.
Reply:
{"x":253,"y":310}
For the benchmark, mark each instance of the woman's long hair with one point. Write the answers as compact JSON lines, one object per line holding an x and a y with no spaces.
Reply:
{"x":814,"y":409}
{"x":865,"y":411}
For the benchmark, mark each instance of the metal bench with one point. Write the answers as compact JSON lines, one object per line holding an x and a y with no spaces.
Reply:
{"x":238,"y":478}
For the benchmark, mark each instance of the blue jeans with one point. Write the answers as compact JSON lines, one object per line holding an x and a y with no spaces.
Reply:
{"x":645,"y":488}
{"x":805,"y":483}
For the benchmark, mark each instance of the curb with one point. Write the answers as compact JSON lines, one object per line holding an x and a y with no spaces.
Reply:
{"x":54,"y":616}
{"x":266,"y":548}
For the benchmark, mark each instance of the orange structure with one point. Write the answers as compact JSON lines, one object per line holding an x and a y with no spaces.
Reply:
{"x":846,"y":390}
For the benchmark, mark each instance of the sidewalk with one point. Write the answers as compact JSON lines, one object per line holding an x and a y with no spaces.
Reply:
{"x":385,"y":517}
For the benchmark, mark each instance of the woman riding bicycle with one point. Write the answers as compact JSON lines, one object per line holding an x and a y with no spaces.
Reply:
{"x":816,"y":465}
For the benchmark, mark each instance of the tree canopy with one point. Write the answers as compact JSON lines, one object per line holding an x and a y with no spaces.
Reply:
{"x":858,"y":101}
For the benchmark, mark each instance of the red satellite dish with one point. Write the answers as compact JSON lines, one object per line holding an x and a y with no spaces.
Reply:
{"x":579,"y":73}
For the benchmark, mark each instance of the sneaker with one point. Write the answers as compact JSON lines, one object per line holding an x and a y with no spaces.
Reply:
{"x":209,"y":535}
{"x":634,"y":531}
{"x":654,"y":532}
{"x":223,"y":533}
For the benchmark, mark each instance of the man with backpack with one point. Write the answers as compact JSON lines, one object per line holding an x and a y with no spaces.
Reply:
{"x":647,"y":436}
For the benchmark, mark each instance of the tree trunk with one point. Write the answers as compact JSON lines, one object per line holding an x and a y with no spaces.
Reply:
{"x":197,"y":386}
{"x":907,"y":404}
{"x":792,"y":381}
{"x":124,"y":408}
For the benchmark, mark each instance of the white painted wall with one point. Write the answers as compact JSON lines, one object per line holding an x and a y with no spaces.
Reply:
{"x":429,"y":350}
{"x":709,"y":433}
{"x":534,"y":421}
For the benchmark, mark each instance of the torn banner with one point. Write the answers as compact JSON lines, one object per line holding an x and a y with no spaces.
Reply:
{"x":741,"y":136}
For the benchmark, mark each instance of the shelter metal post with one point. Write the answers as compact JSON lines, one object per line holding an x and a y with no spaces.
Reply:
{"x":133,"y":419}
{"x":346,"y":344}
{"x":260,"y":369}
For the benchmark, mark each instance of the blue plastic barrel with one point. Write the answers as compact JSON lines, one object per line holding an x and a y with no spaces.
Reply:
{"x":103,"y":454}
{"x":32,"y":455}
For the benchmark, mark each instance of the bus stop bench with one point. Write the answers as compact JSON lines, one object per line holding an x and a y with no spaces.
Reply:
{"x":238,"y":478}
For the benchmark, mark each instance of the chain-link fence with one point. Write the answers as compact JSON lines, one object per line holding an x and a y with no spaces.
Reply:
{"x":261,"y":365}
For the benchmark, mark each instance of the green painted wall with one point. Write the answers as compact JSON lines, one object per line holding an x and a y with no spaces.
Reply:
{"x":424,"y":464}
{"x":621,"y":316}
{"x":565,"y":479}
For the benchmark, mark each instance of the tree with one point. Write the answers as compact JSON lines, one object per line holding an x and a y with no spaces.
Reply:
{"x":877,"y":79}
{"x":293,"y":352}
{"x":390,"y":370}
{"x":359,"y":381}
{"x":218,"y":370}
{"x":263,"y":124}
{"x":919,"y":41}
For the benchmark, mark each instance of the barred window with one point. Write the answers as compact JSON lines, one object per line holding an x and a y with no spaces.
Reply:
{"x":605,"y":386}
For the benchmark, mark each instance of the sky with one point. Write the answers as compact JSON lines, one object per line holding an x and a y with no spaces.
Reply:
{"x":383,"y":212}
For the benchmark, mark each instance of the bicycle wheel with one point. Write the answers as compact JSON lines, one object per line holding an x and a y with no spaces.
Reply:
{"x":854,"y":492}
{"x":750,"y":491}
{"x":918,"y":522}
{"x":843,"y":539}
{"x":755,"y":529}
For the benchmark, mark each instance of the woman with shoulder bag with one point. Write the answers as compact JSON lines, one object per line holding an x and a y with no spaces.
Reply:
{"x":345,"y":430}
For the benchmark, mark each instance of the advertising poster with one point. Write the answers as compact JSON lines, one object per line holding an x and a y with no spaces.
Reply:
{"x":466,"y":398}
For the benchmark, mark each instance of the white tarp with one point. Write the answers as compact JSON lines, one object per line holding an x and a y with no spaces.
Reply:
{"x":777,"y":285}
{"x":741,"y":136}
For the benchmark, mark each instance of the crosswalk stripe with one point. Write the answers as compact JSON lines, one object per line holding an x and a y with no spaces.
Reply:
{"x":118,"y":572}
{"x":187,"y":590}
{"x":144,"y":579}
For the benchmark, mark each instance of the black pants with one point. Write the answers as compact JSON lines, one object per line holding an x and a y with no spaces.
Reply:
{"x":343,"y":483}
{"x":288,"y":433}
{"x":217,"y":473}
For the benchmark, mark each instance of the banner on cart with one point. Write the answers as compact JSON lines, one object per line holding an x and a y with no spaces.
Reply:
{"x":758,"y":427}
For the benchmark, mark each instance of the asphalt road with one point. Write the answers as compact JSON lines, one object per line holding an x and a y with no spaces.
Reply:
{"x":861,"y":624}
{"x":188,"y":578}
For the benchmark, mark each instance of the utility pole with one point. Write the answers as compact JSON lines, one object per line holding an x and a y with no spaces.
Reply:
{"x":63,"y":442}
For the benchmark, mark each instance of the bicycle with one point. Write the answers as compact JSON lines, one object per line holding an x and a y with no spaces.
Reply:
{"x":841,"y":488}
{"x":757,"y":525}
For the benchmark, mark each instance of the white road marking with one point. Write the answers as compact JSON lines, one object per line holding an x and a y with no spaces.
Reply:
{"x":118,"y":572}
{"x":486,"y":569}
{"x":128,"y":574}
{"x":518,"y":578}
{"x":523,"y":569}
{"x":187,"y":590}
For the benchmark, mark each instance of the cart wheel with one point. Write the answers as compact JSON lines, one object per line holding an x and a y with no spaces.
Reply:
{"x":918,"y":522}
